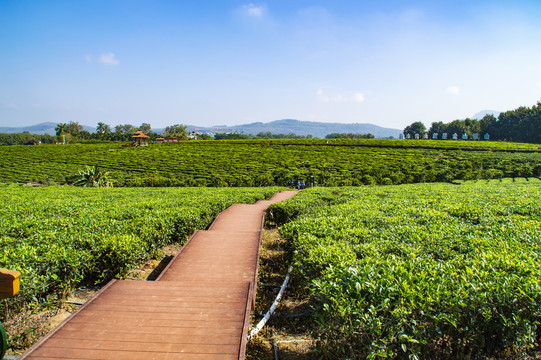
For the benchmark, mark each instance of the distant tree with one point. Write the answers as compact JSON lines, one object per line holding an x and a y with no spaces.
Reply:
{"x":177,"y":130}
{"x":145,"y":127}
{"x":74,"y":128}
{"x":437,"y":128}
{"x":129,"y":129}
{"x":457,"y":127}
{"x":472,"y":126}
{"x":488,"y":124}
{"x":522,"y":124}
{"x":125,"y":129}
{"x":231,"y":136}
{"x":103,"y":128}
{"x":60,"y":128}
{"x":269,"y":135}
{"x":84,"y":135}
{"x":265,"y":135}
{"x":64,"y":137}
{"x":415,"y":128}
{"x":349,"y":136}
{"x":204,"y":136}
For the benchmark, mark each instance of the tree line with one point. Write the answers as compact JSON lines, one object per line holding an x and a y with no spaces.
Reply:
{"x":522,"y":124}
{"x":67,"y":132}
{"x":349,"y":136}
{"x":26,"y":139}
{"x":260,"y":135}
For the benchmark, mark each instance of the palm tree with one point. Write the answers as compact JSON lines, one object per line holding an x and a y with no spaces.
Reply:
{"x":60,"y":128}
{"x":103,"y":128}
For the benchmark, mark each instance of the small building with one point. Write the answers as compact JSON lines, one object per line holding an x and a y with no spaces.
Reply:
{"x":140,"y":138}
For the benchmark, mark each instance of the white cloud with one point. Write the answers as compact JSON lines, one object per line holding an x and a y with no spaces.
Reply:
{"x":453,"y":90}
{"x":10,"y":105}
{"x":108,"y":59}
{"x":339,"y":98}
{"x":359,"y":97}
{"x":321,"y":96}
{"x":253,"y":10}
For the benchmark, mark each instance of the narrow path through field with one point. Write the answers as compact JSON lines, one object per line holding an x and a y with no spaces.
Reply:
{"x":199,"y":307}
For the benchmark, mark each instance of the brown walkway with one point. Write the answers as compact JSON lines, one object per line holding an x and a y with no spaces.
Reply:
{"x":199,"y":307}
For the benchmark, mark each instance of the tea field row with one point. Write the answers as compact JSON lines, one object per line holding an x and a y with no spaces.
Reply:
{"x":59,"y":237}
{"x":277,"y":162}
{"x":421,"y":270}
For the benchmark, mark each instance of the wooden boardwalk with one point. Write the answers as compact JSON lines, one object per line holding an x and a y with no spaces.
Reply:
{"x":199,"y":307}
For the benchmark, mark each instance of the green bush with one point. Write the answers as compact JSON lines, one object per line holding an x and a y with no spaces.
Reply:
{"x":59,"y":237}
{"x":345,"y":162}
{"x":421,"y":271}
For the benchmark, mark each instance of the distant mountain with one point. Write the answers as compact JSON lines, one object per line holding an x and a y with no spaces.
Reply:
{"x":288,"y":126}
{"x":39,"y":129}
{"x":43,"y":128}
{"x":481,"y":114}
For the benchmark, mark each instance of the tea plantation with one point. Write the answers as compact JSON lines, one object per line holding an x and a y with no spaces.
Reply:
{"x":445,"y":269}
{"x":274,"y":162}
{"x":59,"y":237}
{"x":422,"y":270}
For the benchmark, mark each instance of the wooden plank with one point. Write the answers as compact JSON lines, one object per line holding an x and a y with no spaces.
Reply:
{"x":63,"y":323}
{"x":180,"y":308}
{"x":159,"y":329}
{"x":198,"y":310}
{"x":149,"y":288}
{"x":247,"y":276}
{"x":88,"y":354}
{"x":169,"y":316}
{"x":177,"y":298}
{"x":192,"y":291}
{"x":149,"y":337}
{"x":158,"y":303}
{"x":59,"y":344}
{"x":91,"y":321}
{"x":173,"y":261}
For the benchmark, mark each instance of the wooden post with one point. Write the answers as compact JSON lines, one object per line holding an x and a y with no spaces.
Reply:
{"x":9,"y":283}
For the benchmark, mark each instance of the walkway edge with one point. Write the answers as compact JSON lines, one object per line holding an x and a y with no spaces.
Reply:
{"x":66,"y":320}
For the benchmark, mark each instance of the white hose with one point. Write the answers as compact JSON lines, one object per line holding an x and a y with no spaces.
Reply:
{"x":263,"y":321}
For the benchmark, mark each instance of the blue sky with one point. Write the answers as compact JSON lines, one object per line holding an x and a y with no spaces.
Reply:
{"x":206,"y":63}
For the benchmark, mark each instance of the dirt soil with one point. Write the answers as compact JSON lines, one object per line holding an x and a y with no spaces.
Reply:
{"x":288,"y":332}
{"x":30,"y":325}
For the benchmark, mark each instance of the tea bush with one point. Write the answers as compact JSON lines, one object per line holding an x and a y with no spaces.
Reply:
{"x":58,"y":237}
{"x":343,"y":162}
{"x":423,"y":270}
